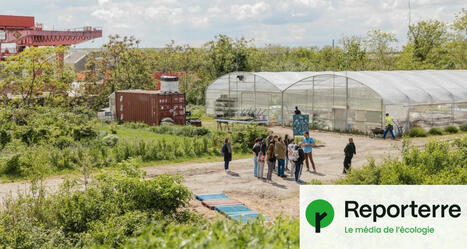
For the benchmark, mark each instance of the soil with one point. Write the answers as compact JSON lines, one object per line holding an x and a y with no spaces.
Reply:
{"x":270,"y":199}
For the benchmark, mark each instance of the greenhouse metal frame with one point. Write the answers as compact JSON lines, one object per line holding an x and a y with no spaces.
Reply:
{"x":344,"y":100}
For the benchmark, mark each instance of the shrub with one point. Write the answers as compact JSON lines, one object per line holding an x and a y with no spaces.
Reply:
{"x":417,"y":132}
{"x":451,"y":129}
{"x":438,"y":163}
{"x":463,"y":127}
{"x":62,"y":142}
{"x":12,"y":166}
{"x":110,"y":140}
{"x":5,"y":137}
{"x":83,"y":132}
{"x":282,"y":233}
{"x":435,"y":131}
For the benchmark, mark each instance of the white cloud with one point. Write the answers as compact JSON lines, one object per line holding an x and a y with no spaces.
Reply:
{"x":103,"y":2}
{"x":292,"y":22}
{"x":108,"y":14}
{"x":247,"y":11}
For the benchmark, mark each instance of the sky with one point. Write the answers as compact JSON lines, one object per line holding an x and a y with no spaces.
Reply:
{"x":287,"y":22}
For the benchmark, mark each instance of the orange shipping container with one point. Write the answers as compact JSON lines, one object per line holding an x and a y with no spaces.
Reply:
{"x":149,"y":107}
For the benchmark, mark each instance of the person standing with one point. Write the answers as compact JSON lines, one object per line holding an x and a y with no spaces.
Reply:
{"x":389,"y":126}
{"x":349,"y":151}
{"x":256,"y":148}
{"x":269,"y":138}
{"x":299,"y":158}
{"x":226,"y":151}
{"x":261,"y":160}
{"x":274,"y":142}
{"x":297,"y":111}
{"x":291,"y":157}
{"x":287,"y":141}
{"x":308,"y":150}
{"x":271,"y":160}
{"x":263,"y":147}
{"x":279,"y":151}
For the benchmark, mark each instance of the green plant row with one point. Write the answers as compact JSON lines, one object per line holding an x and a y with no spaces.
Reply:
{"x":420,"y":132}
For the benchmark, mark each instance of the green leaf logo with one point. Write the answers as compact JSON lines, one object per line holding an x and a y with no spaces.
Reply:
{"x":319,"y":214}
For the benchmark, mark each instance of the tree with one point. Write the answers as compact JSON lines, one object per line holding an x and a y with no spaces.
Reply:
{"x":381,"y":46}
{"x":457,"y":46}
{"x":460,"y":23}
{"x":227,"y":55}
{"x":426,"y":36}
{"x":354,"y":53}
{"x":121,"y":65}
{"x":34,"y":71}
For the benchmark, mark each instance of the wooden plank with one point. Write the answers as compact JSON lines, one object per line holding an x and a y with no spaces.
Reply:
{"x":223,"y":202}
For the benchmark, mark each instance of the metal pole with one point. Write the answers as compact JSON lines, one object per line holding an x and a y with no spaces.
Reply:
{"x":347,"y":102}
{"x":229,"y":85}
{"x":254,"y":88}
{"x":282,"y":100}
{"x":382,"y":113}
{"x":313,"y":98}
{"x":452,"y":113}
{"x":333,"y":101}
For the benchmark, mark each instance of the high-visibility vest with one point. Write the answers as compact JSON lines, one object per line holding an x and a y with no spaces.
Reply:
{"x":388,"y":120}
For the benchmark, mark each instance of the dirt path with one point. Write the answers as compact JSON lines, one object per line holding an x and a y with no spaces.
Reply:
{"x":270,"y":199}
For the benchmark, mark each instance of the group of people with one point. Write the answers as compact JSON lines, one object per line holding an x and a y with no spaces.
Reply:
{"x":283,"y":155}
{"x":278,"y":154}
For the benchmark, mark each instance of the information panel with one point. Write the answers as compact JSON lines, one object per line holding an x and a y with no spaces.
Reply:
{"x":301,"y":123}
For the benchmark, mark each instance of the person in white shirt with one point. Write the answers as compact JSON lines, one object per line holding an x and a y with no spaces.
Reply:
{"x":290,"y":150}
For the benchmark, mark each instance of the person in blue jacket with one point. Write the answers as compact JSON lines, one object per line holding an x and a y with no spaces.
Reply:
{"x":308,"y":143}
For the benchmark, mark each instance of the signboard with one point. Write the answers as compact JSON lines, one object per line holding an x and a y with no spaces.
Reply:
{"x":2,"y":35}
{"x":301,"y":123}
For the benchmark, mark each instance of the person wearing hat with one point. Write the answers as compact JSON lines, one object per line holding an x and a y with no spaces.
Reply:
{"x":389,"y":126}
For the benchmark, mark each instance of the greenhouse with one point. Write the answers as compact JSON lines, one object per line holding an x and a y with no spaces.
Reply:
{"x":343,"y":100}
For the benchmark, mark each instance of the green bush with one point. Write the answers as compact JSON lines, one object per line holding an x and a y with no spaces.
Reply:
{"x":463,"y":127}
{"x":83,"y":132}
{"x":451,"y":129}
{"x":417,"y":132}
{"x":435,"y":131}
{"x":438,"y":163}
{"x":12,"y":166}
{"x":108,"y":211}
{"x":5,"y":137}
{"x":282,"y":233}
{"x":110,"y":140}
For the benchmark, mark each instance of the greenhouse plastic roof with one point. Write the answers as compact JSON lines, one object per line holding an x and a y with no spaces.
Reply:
{"x":427,"y":86}
{"x":394,"y":87}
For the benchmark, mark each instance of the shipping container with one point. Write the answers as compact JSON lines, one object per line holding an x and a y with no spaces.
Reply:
{"x":149,"y":107}
{"x":16,"y":21}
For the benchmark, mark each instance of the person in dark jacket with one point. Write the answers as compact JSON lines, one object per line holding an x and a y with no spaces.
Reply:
{"x":287,"y":141}
{"x":299,"y":161}
{"x":349,"y":151}
{"x":297,"y":111}
{"x":227,"y":153}
{"x":256,"y":149}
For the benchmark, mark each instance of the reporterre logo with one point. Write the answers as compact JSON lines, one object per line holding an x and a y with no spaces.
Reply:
{"x":319,"y":214}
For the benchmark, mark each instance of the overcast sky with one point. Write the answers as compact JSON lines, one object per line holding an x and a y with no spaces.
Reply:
{"x":286,"y":22}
